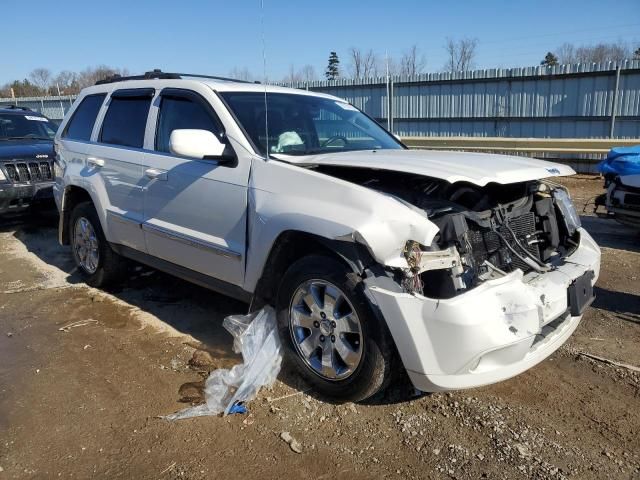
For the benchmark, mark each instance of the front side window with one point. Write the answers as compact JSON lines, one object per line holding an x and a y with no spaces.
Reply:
{"x":25,"y":127}
{"x":125,"y":121}
{"x":296,"y":124}
{"x":179,"y":113}
{"x":81,"y":124}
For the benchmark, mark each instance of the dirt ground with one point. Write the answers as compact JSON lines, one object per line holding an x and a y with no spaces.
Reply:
{"x":87,"y":400}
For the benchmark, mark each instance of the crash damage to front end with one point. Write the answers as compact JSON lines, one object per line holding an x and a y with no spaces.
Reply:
{"x":500,"y":287}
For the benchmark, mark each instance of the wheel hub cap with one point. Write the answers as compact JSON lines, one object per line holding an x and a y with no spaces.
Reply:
{"x":85,"y":245}
{"x":325,"y":329}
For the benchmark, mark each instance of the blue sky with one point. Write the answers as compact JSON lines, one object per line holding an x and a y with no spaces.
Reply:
{"x":214,"y":36}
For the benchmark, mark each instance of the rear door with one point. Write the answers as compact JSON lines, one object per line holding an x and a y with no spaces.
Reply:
{"x":195,"y":210}
{"x":118,"y":157}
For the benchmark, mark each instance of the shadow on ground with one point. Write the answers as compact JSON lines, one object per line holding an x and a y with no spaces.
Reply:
{"x":625,"y":306}
{"x":187,"y":308}
{"x":610,"y":234}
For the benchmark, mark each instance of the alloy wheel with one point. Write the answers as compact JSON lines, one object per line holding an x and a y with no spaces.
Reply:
{"x":325,"y":329}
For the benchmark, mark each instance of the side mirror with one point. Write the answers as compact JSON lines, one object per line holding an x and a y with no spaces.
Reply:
{"x":200,"y":144}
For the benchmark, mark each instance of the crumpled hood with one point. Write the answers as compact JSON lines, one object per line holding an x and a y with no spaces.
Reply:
{"x":14,"y":149}
{"x":477,"y":168}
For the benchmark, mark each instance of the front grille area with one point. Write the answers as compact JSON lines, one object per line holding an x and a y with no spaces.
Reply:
{"x":28,"y":171}
{"x":487,"y":245}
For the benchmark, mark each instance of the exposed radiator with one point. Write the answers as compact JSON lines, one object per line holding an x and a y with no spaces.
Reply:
{"x":487,"y":245}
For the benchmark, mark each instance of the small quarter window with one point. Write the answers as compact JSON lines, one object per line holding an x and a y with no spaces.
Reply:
{"x":179,"y":112}
{"x":81,"y":124}
{"x":126,"y":120}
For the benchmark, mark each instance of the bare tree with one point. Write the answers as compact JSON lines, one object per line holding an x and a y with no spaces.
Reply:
{"x":362,"y":64}
{"x":292,"y":76}
{"x":461,"y":54}
{"x":566,"y":53}
{"x":601,"y":52}
{"x":67,"y":82}
{"x":242,"y":73}
{"x":412,"y":62}
{"x":89,"y":76}
{"x":308,"y":73}
{"x":41,"y":78}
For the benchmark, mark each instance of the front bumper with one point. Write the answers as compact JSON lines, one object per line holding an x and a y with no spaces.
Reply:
{"x":19,"y":197}
{"x":491,"y":333}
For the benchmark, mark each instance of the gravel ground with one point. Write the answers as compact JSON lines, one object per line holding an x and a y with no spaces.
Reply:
{"x":86,"y":375}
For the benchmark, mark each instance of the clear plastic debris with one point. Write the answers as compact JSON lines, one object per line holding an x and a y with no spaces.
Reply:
{"x":256,"y":337}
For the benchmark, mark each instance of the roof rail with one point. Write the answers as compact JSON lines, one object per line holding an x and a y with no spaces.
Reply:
{"x":159,"y":74}
{"x":11,"y":106}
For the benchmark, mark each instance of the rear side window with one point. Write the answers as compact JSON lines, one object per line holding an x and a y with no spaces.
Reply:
{"x":125,"y":121}
{"x":182,"y":112}
{"x":81,"y":124}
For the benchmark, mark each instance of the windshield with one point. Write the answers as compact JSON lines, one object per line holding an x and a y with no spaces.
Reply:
{"x":304,"y":124}
{"x":15,"y":126}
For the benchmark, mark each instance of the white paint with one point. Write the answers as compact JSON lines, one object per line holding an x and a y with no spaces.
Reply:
{"x":477,"y":168}
{"x":193,"y":143}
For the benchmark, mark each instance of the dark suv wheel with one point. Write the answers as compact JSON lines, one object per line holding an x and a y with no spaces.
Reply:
{"x":330,"y":332}
{"x":97,"y":263}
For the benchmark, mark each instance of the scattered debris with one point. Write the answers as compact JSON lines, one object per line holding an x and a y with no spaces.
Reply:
{"x":237,"y":407}
{"x":256,"y":337}
{"x":271,"y":400}
{"x":202,"y":359}
{"x":173,"y":464}
{"x":610,"y":362}
{"x":9,"y":334}
{"x":79,"y":323}
{"x":249,"y":420}
{"x":293,"y":443}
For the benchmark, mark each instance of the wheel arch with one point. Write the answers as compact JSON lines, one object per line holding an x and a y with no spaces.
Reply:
{"x":71,"y":196}
{"x":292,"y":245}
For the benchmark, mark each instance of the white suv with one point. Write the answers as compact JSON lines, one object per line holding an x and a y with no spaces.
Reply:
{"x":469,"y":268}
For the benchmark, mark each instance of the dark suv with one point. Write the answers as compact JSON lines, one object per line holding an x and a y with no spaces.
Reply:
{"x":26,"y":159}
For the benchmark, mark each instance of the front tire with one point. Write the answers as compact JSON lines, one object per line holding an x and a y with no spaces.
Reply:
{"x":97,"y":263}
{"x":329,"y":330}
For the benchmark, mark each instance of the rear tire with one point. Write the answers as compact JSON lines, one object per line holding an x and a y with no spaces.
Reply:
{"x":339,"y":320}
{"x":97,"y":263}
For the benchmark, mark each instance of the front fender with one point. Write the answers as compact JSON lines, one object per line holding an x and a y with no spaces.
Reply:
{"x":293,"y":198}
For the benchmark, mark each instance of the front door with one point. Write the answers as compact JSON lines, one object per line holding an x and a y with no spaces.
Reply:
{"x":194,"y":210}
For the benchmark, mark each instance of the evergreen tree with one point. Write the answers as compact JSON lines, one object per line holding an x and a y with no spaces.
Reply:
{"x":549,"y":60}
{"x":332,"y":72}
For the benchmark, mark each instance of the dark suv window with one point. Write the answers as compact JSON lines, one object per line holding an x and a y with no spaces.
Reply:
{"x":81,"y":124}
{"x":126,"y":120}
{"x":178,"y":112}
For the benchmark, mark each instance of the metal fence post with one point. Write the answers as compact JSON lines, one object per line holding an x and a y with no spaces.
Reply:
{"x":614,"y":104}
{"x":391,"y":105}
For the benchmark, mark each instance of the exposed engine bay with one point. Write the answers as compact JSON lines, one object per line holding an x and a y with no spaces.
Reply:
{"x":485,"y":232}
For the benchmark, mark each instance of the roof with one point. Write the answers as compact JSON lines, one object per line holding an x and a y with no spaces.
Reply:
{"x":159,"y":79}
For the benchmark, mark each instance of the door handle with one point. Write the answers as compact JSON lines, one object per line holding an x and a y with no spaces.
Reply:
{"x":95,"y":162}
{"x":156,"y":174}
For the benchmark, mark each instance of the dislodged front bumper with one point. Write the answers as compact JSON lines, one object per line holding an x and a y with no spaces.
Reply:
{"x":491,"y":333}
{"x":17,"y":197}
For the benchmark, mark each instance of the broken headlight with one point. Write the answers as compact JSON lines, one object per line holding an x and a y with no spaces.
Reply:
{"x":567,"y":208}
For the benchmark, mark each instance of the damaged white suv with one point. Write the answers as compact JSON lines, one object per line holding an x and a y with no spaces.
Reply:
{"x":468,"y":268}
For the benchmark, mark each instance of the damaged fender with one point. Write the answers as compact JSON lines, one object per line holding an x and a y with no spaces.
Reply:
{"x":295,"y":198}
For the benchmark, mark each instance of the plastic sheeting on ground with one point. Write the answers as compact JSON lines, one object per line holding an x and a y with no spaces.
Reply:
{"x":621,"y":161}
{"x":256,"y":337}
